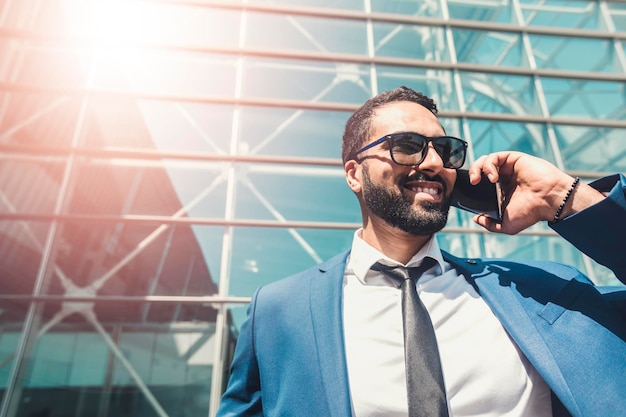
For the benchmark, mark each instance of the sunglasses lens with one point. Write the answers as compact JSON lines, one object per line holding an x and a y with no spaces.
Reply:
{"x":451,"y":150}
{"x":407,"y":148}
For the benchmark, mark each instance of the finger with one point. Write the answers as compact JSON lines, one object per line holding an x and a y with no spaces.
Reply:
{"x":491,"y":165}
{"x":488,"y":223}
{"x":476,"y":169}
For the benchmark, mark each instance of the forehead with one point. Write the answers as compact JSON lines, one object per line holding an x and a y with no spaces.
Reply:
{"x":405,"y":116}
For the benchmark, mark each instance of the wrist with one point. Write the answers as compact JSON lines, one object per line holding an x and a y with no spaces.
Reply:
{"x":565,"y":208}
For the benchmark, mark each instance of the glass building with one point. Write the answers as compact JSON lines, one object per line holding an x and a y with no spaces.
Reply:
{"x":161,"y":159}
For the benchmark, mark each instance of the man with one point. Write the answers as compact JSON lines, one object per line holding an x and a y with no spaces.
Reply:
{"x":513,"y":338}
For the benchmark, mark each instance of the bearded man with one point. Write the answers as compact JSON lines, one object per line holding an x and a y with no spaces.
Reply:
{"x":396,"y":327}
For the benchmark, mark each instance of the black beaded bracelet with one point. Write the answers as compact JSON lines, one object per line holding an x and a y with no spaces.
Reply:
{"x":567,"y":196}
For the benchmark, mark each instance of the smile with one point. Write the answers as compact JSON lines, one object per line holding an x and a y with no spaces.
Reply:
{"x":433,"y":191}
{"x":430,"y":187}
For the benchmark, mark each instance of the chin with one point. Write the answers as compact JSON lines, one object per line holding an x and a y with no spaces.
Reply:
{"x":425,"y":220}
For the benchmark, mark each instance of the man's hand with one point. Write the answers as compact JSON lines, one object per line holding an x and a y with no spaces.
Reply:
{"x":533,"y":190}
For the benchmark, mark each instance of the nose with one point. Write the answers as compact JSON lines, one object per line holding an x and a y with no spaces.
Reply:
{"x":432,"y":161}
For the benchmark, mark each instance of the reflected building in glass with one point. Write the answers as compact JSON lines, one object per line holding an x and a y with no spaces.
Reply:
{"x":160,"y":160}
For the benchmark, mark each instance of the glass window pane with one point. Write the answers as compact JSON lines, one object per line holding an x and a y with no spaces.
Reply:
{"x":8,"y":345}
{"x":121,"y":371}
{"x":310,"y":81}
{"x":176,"y":127}
{"x":21,"y":247}
{"x":291,"y":132}
{"x":21,"y":174}
{"x":334,"y":4}
{"x":490,"y":48}
{"x":490,"y":136}
{"x":453,"y":126}
{"x":617,"y":12}
{"x":592,"y":149}
{"x":500,"y":94}
{"x":489,"y":11}
{"x":437,"y":84}
{"x":430,"y":8}
{"x":66,"y":68}
{"x":410,"y":41}
{"x":292,"y":193}
{"x":591,"y":99}
{"x":264,"y":255}
{"x":158,"y":126}
{"x":106,"y":258}
{"x":39,"y":120}
{"x":177,"y":188}
{"x":303,"y":33}
{"x":163,"y":73}
{"x":562,"y":53}
{"x":562,"y":13}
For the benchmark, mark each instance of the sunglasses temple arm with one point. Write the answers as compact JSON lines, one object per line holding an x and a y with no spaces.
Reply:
{"x":371,"y":145}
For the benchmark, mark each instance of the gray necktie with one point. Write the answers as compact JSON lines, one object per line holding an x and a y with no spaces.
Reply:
{"x":425,"y":387}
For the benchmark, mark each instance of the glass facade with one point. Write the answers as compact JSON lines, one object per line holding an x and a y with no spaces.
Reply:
{"x":161,"y":159}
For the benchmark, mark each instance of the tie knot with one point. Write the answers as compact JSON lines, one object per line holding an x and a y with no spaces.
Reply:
{"x":401,"y":273}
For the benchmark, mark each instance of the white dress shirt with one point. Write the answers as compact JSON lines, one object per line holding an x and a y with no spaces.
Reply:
{"x":485,"y":373}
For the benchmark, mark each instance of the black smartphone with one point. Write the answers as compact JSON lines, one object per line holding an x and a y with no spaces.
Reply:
{"x":482,"y":198}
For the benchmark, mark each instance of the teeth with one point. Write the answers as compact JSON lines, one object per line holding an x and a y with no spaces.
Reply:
{"x":432,"y":191}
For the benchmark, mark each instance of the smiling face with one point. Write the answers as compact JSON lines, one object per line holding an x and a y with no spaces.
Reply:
{"x":414,"y":199}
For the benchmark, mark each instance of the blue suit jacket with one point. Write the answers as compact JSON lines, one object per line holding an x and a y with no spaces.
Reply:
{"x":290,"y":358}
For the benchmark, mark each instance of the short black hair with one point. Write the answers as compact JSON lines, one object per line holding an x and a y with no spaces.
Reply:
{"x":359,"y":125}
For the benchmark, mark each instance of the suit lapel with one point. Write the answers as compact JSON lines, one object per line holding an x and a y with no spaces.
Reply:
{"x":327,"y":317}
{"x":504,"y":301}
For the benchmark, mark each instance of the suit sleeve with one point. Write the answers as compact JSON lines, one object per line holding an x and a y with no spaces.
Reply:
{"x":599,"y":231}
{"x":243,"y":394}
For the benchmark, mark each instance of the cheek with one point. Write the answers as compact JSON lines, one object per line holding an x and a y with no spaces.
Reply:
{"x":386,"y":174}
{"x":391,"y":177}
{"x":394,"y":173}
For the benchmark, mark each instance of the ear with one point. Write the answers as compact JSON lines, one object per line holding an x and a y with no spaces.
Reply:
{"x":352,"y":170}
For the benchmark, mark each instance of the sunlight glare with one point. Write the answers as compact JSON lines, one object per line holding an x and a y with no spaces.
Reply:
{"x":114,"y":22}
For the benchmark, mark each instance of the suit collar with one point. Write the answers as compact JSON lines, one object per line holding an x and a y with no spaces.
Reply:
{"x":363,"y":256}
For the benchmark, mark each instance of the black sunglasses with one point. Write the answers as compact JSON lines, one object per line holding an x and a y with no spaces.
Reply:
{"x":410,"y":148}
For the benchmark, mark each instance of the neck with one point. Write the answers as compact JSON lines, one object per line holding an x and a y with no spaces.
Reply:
{"x":393,"y":242}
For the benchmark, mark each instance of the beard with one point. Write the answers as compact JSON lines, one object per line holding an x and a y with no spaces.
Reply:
{"x":397,"y":210}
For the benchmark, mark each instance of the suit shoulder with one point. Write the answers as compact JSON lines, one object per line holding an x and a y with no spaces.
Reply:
{"x":477,"y":267}
{"x":298,"y":283}
{"x":537,"y":269}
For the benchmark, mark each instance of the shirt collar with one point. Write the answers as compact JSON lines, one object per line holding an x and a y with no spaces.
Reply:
{"x":363,"y":256}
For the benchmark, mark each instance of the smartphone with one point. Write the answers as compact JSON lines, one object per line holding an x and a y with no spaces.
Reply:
{"x":483,"y":198}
